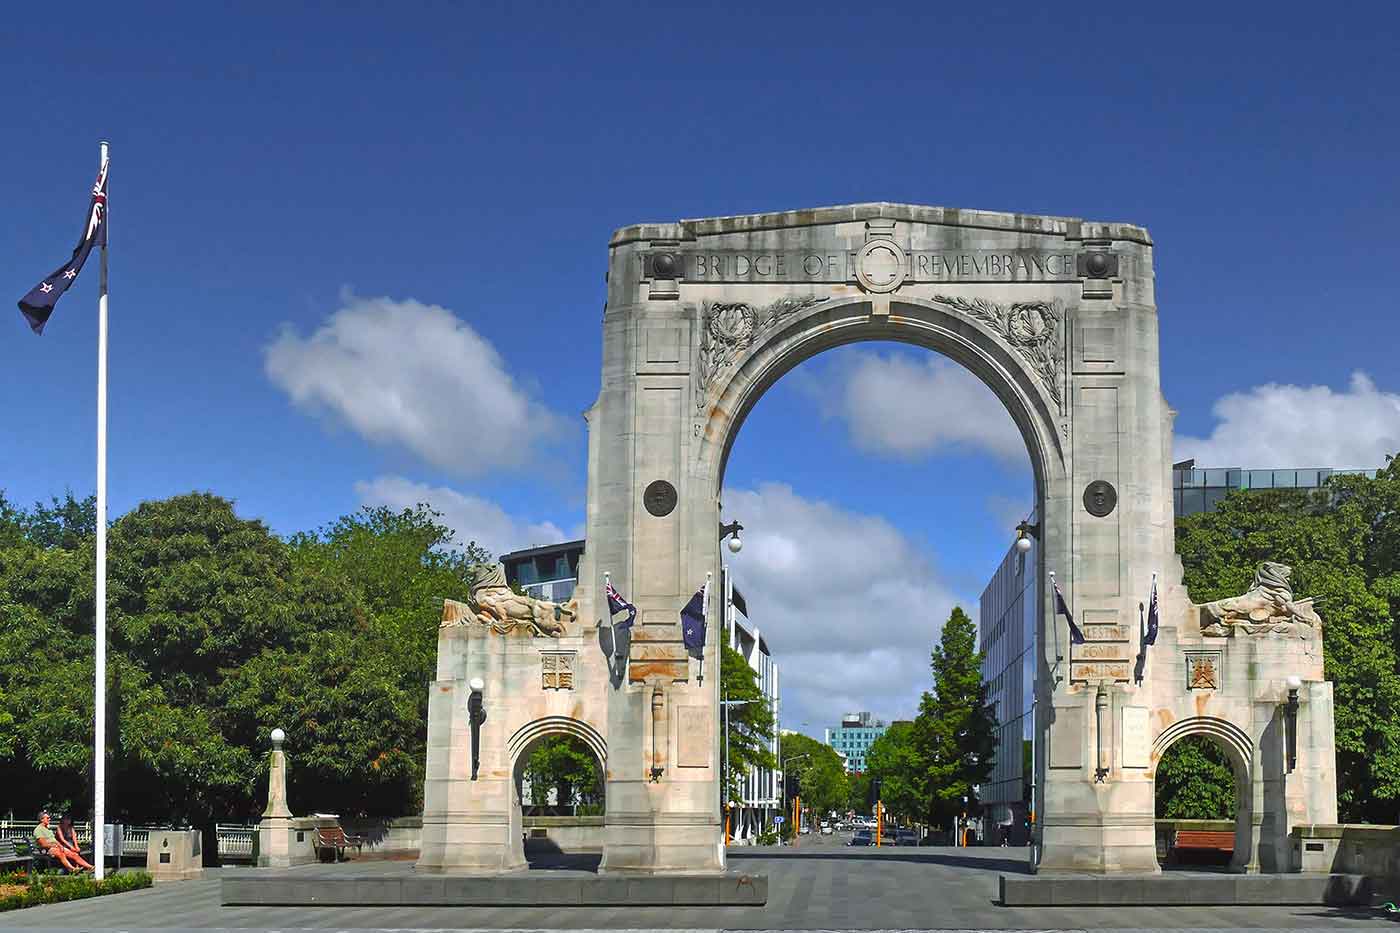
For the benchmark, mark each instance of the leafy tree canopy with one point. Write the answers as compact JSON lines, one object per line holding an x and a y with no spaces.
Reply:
{"x":955,"y":732}
{"x":565,"y":765}
{"x":750,"y":719}
{"x":218,"y":630}
{"x":821,"y":776}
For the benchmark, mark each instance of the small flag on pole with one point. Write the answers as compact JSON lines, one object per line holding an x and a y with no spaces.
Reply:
{"x":617,"y":604}
{"x":1152,"y":619}
{"x":39,"y":303}
{"x":1076,"y":637}
{"x":693,"y":620}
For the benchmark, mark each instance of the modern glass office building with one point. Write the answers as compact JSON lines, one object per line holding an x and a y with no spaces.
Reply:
{"x":549,"y":572}
{"x":853,"y":738}
{"x":1006,"y":633}
{"x":1196,"y":490}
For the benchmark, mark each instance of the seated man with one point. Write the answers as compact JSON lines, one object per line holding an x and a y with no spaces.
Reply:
{"x":68,"y":841}
{"x":45,"y":840}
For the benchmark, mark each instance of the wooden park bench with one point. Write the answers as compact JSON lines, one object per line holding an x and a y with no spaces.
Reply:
{"x":1203,"y":841}
{"x":10,"y":855}
{"x":334,"y":840}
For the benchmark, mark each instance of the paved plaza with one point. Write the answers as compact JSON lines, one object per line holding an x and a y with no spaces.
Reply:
{"x":820,"y":885}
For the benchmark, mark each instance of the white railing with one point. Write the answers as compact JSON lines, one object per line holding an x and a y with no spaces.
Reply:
{"x":235,"y":839}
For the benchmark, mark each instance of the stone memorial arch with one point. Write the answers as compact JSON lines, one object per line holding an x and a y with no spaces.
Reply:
{"x":1058,"y":317}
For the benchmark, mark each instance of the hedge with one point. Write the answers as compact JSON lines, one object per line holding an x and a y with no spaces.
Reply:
{"x":53,"y":889}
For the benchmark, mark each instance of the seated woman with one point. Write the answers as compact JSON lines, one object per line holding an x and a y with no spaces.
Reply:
{"x":45,"y":840}
{"x":68,"y":839}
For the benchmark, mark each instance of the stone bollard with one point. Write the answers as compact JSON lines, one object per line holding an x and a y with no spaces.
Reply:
{"x":174,"y":855}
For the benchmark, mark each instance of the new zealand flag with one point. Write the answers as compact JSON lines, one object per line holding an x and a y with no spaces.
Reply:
{"x":693,"y":621}
{"x":39,"y":303}
{"x":1152,"y":620}
{"x":617,"y":604}
{"x":1076,"y":636}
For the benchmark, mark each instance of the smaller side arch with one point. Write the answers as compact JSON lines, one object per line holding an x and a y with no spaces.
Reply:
{"x":1235,"y":739}
{"x":555,"y":725}
{"x":1239,"y":748}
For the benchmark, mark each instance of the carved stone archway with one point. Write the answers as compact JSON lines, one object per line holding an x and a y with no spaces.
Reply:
{"x":1058,"y":317}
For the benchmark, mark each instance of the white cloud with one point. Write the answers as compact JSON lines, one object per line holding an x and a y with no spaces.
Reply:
{"x":405,"y":373}
{"x":1008,"y":511}
{"x":851,"y":607}
{"x":1278,"y":425}
{"x":902,"y":406}
{"x":471,"y":517}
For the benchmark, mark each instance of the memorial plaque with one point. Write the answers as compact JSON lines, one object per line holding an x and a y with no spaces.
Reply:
{"x":1067,"y":737}
{"x":1136,"y":747}
{"x":1100,"y":498}
{"x":660,"y":498}
{"x":693,"y":736}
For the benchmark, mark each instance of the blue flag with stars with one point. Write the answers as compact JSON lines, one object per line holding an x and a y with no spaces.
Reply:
{"x":693,"y":622}
{"x":38,"y":305}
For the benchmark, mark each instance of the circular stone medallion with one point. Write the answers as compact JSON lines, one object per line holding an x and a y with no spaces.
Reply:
{"x":880,"y":266}
{"x":660,"y":498}
{"x":1100,"y":498}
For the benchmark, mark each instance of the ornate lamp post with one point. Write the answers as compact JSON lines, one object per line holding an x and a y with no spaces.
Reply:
{"x":476,"y":715}
{"x":1290,"y":711}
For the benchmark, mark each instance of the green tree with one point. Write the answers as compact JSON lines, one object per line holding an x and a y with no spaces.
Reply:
{"x":1194,"y":782}
{"x":894,"y":759}
{"x":218,"y":630}
{"x":821,"y":775}
{"x":750,"y":719}
{"x":955,"y":731}
{"x":858,"y":793}
{"x":564,"y":764}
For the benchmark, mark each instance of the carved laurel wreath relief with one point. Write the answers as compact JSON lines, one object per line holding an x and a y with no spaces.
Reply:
{"x":1032,"y":328}
{"x":727,"y":330}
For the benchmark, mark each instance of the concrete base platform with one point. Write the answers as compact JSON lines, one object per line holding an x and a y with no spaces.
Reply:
{"x":1184,"y":889}
{"x":350,"y":886}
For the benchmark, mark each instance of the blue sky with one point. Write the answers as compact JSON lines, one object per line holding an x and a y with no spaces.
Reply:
{"x":295,"y":188}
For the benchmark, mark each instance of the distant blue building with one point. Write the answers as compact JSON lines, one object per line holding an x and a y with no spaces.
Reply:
{"x":853,"y":738}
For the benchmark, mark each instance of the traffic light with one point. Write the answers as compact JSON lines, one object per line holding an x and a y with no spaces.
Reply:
{"x":793,"y":785}
{"x":874,"y":793}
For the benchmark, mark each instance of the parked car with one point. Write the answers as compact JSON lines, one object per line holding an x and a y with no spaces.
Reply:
{"x":862,"y":837}
{"x":906,"y":837}
{"x":826,"y":829}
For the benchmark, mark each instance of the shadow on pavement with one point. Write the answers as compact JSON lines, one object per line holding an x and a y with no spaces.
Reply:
{"x":852,"y":854}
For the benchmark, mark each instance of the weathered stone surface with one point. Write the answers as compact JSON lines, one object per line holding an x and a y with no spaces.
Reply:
{"x":1058,"y":317}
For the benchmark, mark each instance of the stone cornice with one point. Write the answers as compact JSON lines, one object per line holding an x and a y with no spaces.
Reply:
{"x":1071,"y":228}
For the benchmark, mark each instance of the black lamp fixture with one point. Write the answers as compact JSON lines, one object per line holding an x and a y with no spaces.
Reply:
{"x":476,"y":715}
{"x":1290,"y":711}
{"x":732,"y":528}
{"x":1024,"y":532}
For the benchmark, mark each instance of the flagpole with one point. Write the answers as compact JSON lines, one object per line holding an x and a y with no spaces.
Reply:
{"x":99,"y":781}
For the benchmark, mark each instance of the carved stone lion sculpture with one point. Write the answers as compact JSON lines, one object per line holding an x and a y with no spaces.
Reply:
{"x":1268,"y":606}
{"x":492,"y":602}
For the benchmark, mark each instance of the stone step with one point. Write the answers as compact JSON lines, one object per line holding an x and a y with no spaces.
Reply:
{"x":1204,"y":889}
